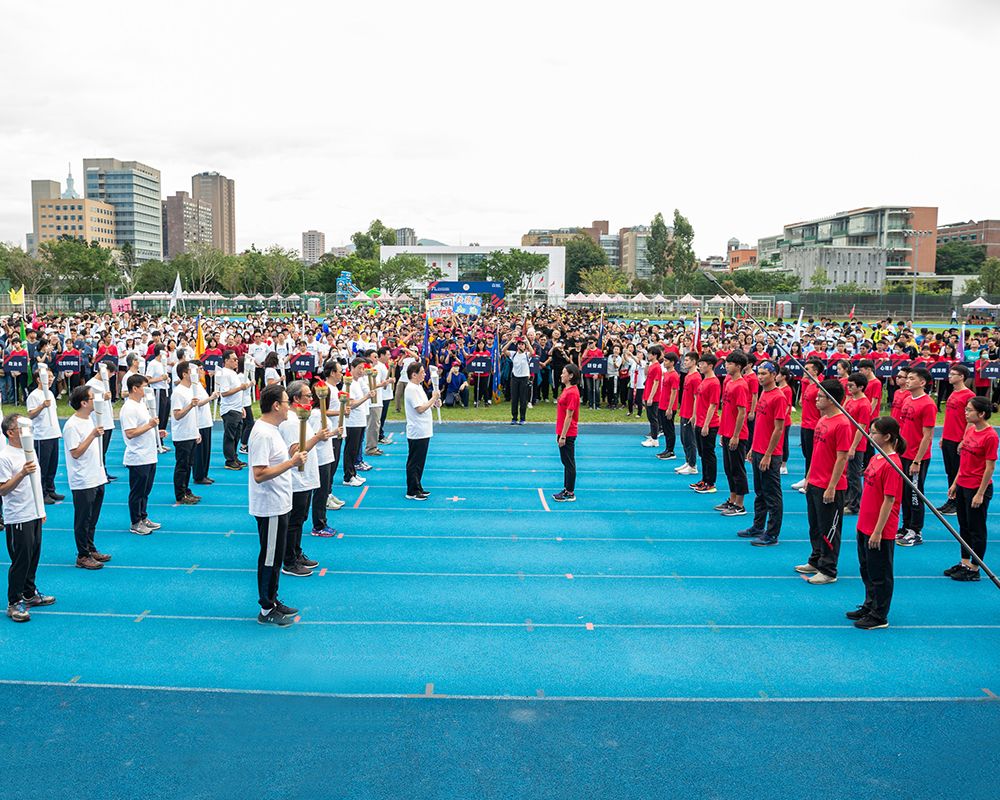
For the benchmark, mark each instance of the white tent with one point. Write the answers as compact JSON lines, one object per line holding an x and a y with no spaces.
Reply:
{"x":403,"y":298}
{"x":640,"y":298}
{"x":980,"y":303}
{"x":360,"y":297}
{"x":240,"y":298}
{"x":293,"y":297}
{"x":259,"y":296}
{"x":576,"y":297}
{"x":717,"y":301}
{"x":659,"y":298}
{"x":604,"y":298}
{"x":686,"y":300}
{"x":743,"y":298}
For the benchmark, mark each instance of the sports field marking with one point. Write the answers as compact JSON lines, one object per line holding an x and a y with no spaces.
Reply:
{"x":541,"y":496}
{"x":991,"y":695}
{"x":357,"y":503}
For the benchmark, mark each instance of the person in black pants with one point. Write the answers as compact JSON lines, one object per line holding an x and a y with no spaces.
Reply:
{"x":567,"y":426}
{"x":766,"y":449}
{"x":706,"y":409}
{"x":520,"y":377}
{"x":231,"y":386}
{"x":184,"y":432}
{"x":419,"y":429}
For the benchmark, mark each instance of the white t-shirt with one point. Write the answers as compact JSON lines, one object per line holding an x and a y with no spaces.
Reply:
{"x":107,"y":419}
{"x":186,"y":428}
{"x":267,"y":449}
{"x":402,"y":370}
{"x":46,"y":424}
{"x":18,"y":505}
{"x":141,"y":449}
{"x":258,"y":352}
{"x":225,"y":381}
{"x":87,"y":471}
{"x":386,"y":391}
{"x":247,"y":394}
{"x":418,"y":425}
{"x":156,"y":369}
{"x":204,"y":412}
{"x":308,"y":479}
{"x":324,"y":449}
{"x":358,"y":417}
{"x":271,"y":375}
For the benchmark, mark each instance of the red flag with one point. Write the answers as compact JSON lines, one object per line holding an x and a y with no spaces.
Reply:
{"x":852,"y":311}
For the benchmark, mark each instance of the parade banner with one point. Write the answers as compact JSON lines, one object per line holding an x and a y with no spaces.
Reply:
{"x":211,"y":363}
{"x":121,"y":306}
{"x":991,"y":370}
{"x":302,"y":362}
{"x":68,"y":362}
{"x":940,"y":370}
{"x":469,"y":304}
{"x":595,"y":367}
{"x":480,"y":365}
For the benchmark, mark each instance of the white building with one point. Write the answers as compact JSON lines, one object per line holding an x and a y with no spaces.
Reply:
{"x":466,"y":264}
{"x":313,"y":246}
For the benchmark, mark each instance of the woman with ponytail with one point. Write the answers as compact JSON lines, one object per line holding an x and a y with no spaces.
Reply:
{"x":878,"y":518}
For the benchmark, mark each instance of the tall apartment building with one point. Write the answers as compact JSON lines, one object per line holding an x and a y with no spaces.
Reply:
{"x":133,"y":189}
{"x":313,"y":246}
{"x":612,"y":247}
{"x":876,"y":229}
{"x":406,"y":237}
{"x":634,"y":261}
{"x":58,"y":214}
{"x":554,"y":237}
{"x":186,"y":222}
{"x":40,"y":190}
{"x":220,"y":192}
{"x":985,"y":233}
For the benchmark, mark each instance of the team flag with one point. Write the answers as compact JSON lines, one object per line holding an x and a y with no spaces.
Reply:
{"x":199,"y":339}
{"x":17,"y":296}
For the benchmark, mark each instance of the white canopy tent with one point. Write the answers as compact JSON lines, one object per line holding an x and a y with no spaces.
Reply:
{"x":686,"y":300}
{"x":718,"y":300}
{"x":980,"y":303}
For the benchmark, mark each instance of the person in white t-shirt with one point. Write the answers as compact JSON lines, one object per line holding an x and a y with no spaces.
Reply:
{"x":357,"y":420}
{"x":328,"y":452}
{"x":230,"y":386}
{"x":22,"y":523}
{"x":407,"y":358}
{"x":82,"y":441}
{"x":45,"y":431}
{"x":270,"y":501}
{"x":139,"y":430}
{"x":159,"y":380}
{"x":419,"y":429}
{"x":106,"y":419}
{"x":203,"y":450}
{"x":184,"y":432}
{"x":377,"y":411}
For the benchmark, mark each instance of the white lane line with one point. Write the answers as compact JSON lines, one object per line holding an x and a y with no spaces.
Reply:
{"x":541,"y":496}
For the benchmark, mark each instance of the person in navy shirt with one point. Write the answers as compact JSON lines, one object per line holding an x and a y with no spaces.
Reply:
{"x":456,"y":389}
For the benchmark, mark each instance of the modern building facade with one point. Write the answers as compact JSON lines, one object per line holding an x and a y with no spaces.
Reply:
{"x":556,"y":237}
{"x":612,"y":247}
{"x":406,"y":237}
{"x":80,"y":218}
{"x":41,"y":190}
{"x":863,"y":267}
{"x":634,"y":260}
{"x":133,"y":189}
{"x":313,"y":246}
{"x":220,"y":192}
{"x":467,"y":263}
{"x":740,"y":255}
{"x":985,"y":233}
{"x":186,"y":223}
{"x":769,"y":249}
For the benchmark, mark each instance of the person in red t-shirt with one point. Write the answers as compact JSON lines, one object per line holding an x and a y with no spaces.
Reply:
{"x":896,"y":403}
{"x":670,"y":383}
{"x":810,"y":413}
{"x":954,"y":425}
{"x":825,"y":484}
{"x":706,"y":423}
{"x":733,"y":430}
{"x":750,"y":376}
{"x":859,"y":409}
{"x":918,"y":417}
{"x":784,"y":381}
{"x":877,"y":520}
{"x":766,"y":451}
{"x":982,"y":384}
{"x":689,"y":388}
{"x":651,"y":395}
{"x":972,"y":489}
{"x":567,"y":421}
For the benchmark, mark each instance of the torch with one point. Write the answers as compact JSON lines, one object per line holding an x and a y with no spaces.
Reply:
{"x":303,"y":411}
{"x":44,"y":381}
{"x":370,"y":372}
{"x":435,"y":377}
{"x":322,"y":392}
{"x":28,"y":445}
{"x":344,"y":396}
{"x":99,"y":404}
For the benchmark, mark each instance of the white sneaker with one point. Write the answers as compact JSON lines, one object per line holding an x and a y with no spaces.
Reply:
{"x":820,"y":578}
{"x":799,"y":484}
{"x":333,"y":503}
{"x":802,"y":490}
{"x":680,"y":470}
{"x":357,"y":480}
{"x":806,"y":569}
{"x":784,"y":469}
{"x":689,"y":470}
{"x":530,"y":405}
{"x":649,"y":442}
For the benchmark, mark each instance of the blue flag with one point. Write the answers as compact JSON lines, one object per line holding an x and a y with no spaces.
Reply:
{"x":495,"y":355}
{"x":425,"y":350}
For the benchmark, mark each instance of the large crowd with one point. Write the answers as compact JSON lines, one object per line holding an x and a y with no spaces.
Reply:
{"x":726,"y":388}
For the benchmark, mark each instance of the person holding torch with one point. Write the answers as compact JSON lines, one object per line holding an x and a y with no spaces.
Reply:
{"x":82,"y":441}
{"x":46,"y":434}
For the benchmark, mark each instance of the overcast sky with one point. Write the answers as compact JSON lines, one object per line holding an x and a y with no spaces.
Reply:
{"x":473,"y":123}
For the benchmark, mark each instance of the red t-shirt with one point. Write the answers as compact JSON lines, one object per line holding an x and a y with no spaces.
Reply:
{"x":670,"y":381}
{"x":692,"y":381}
{"x":881,"y":481}
{"x":915,"y":415}
{"x":771,"y":405}
{"x":978,"y":447}
{"x":810,"y":413}
{"x":753,"y":385}
{"x":861,"y":412}
{"x":833,"y":435}
{"x":709,"y":391}
{"x":873,"y":391}
{"x":786,"y":390}
{"x":896,"y":411}
{"x":569,"y":403}
{"x":980,"y":381}
{"x":954,"y":415}
{"x":653,"y":374}
{"x":735,"y":395}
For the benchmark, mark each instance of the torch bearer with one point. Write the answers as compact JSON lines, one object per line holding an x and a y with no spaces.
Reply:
{"x":28,"y":445}
{"x":322,"y":392}
{"x":303,"y":411}
{"x":344,"y":396}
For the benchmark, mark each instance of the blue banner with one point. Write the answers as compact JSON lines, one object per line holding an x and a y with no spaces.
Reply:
{"x":466,"y":287}
{"x":68,"y":363}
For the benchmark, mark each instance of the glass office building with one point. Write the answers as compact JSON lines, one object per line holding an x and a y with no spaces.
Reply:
{"x":134,"y":190}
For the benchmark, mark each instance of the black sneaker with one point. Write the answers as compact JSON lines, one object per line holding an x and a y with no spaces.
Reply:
{"x":307,"y":562}
{"x":965,"y":574}
{"x":952,"y":570}
{"x":296,"y":571}
{"x":57,"y":497}
{"x":564,"y":497}
{"x":281,"y":608}
{"x":859,"y":613}
{"x":235,"y":466}
{"x":948,"y":509}
{"x":870,"y":623}
{"x":274,"y":617}
{"x":667,"y":455}
{"x":39,"y":600}
{"x":416,"y":496}
{"x":723,"y":505}
{"x":424,"y":494}
{"x":749,"y":533}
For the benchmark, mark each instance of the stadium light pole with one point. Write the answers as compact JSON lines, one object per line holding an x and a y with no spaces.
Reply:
{"x":916,"y":236}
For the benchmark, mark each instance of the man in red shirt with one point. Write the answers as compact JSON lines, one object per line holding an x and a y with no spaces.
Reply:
{"x":810,"y":413}
{"x":767,"y":449}
{"x":706,"y":423}
{"x":954,"y":425}
{"x":733,"y":430}
{"x":669,"y":389}
{"x":825,"y":485}
{"x":859,"y":408}
{"x":689,"y":388}
{"x":651,"y":395}
{"x":917,"y":418}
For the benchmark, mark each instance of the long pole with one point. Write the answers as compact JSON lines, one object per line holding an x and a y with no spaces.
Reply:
{"x":865,"y":434}
{"x":913,"y":291}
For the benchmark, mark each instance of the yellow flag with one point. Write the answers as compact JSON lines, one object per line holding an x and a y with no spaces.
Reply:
{"x":17,"y":296}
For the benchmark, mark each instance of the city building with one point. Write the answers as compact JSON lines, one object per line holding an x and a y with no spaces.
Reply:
{"x":555,"y":237}
{"x":40,"y":190}
{"x":342,"y":250}
{"x":863,"y":267}
{"x":133,"y":189}
{"x":406,"y":237}
{"x":985,"y":233}
{"x":879,"y":229}
{"x":57,"y":214}
{"x":612,"y":247}
{"x":466,"y":263}
{"x":740,"y":255}
{"x":769,"y":250}
{"x":634,"y":260}
{"x":313,"y":246}
{"x":186,"y":222}
{"x":220,"y":192}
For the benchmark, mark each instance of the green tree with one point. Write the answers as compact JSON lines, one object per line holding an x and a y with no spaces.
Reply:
{"x":657,"y":247}
{"x":514,"y":267}
{"x":397,"y":273}
{"x":20,"y":268}
{"x":153,"y":276}
{"x":367,"y":243}
{"x":206,"y":265}
{"x":759,"y":281}
{"x":232,"y":275}
{"x":279,"y":267}
{"x":127,"y":265}
{"x":819,"y":279}
{"x":959,"y":258}
{"x":603,"y":278}
{"x":582,"y":253}
{"x":81,"y":268}
{"x":988,"y":282}
{"x":680,"y":254}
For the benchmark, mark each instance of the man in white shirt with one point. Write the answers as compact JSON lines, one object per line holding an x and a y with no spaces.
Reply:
{"x":203,"y":450}
{"x":327,"y":452}
{"x":357,"y":420}
{"x":230,"y":386}
{"x":304,"y":482}
{"x":139,"y":429}
{"x":247,"y":409}
{"x":184,"y":432}
{"x":156,"y":371}
{"x":45,"y":431}
{"x":270,"y":501}
{"x":106,"y":419}
{"x":407,"y":359}
{"x":419,"y":429}
{"x":375,"y":413}
{"x":82,"y":441}
{"x":384,"y":367}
